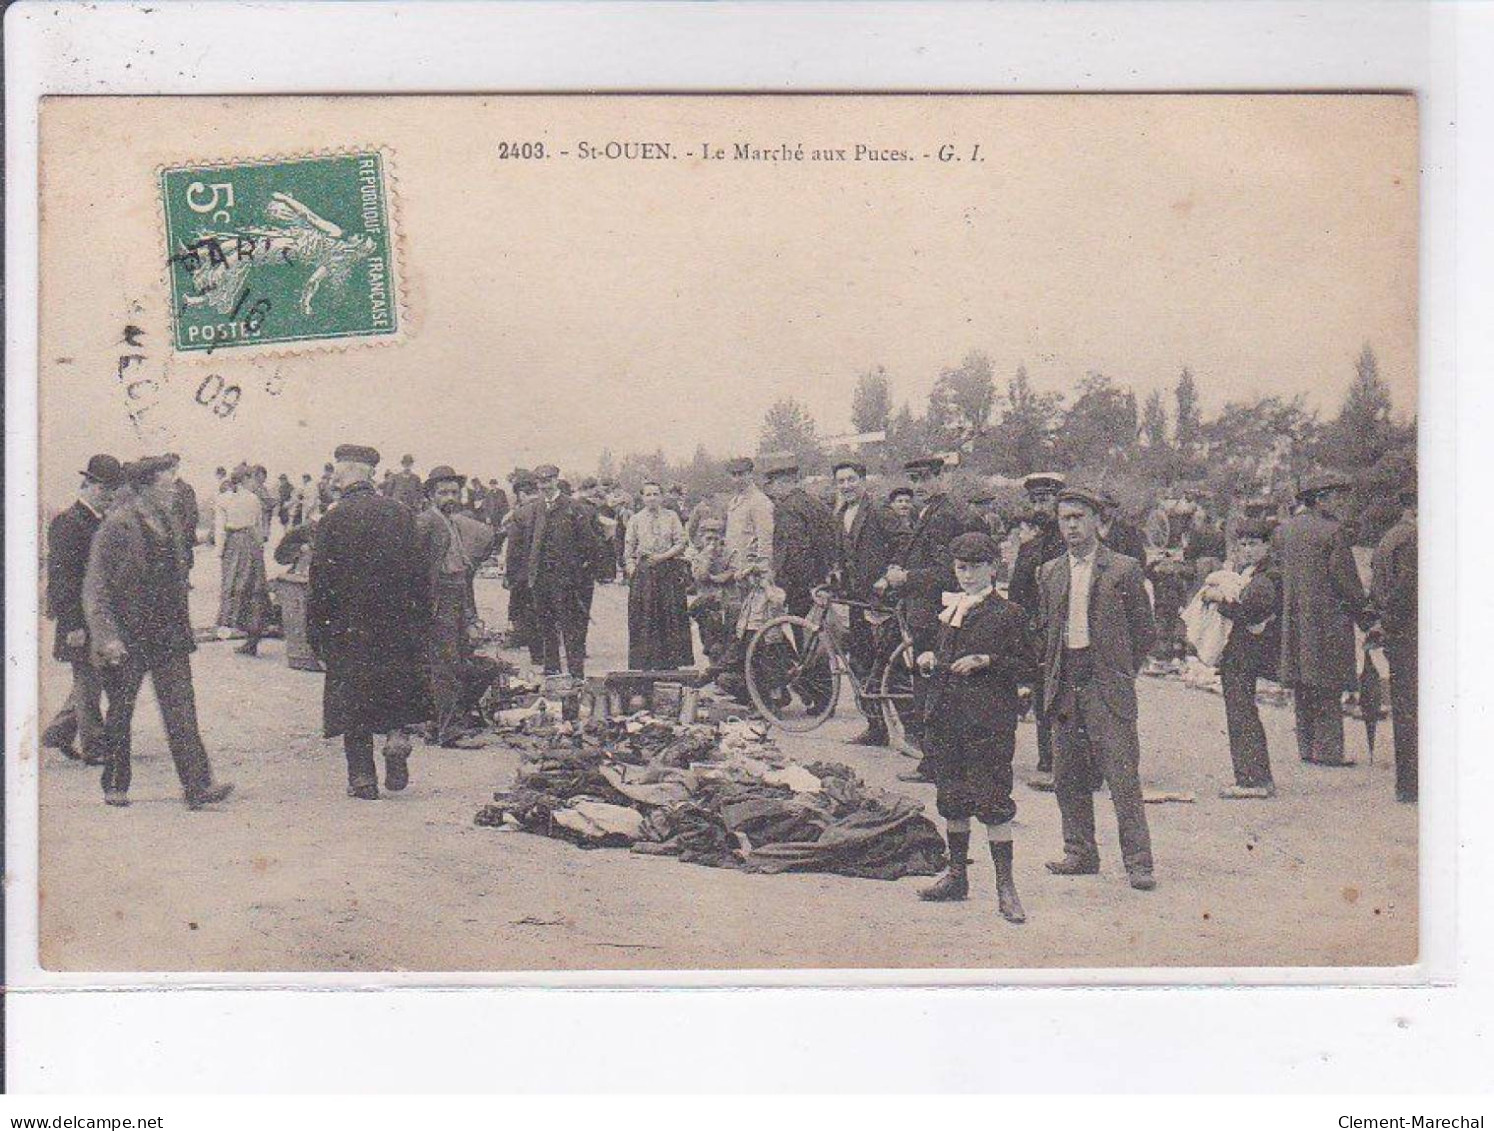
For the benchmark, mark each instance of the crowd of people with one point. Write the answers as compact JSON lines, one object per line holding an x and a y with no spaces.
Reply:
{"x":392,"y":615}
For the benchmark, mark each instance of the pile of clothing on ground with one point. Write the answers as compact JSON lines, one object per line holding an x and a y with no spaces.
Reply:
{"x":719,"y":795}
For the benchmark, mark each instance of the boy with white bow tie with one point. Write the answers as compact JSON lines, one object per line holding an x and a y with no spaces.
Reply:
{"x":983,"y":653}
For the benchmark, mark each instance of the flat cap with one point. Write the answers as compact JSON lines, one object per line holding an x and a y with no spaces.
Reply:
{"x":1322,"y":483}
{"x":1085,"y":497}
{"x":146,"y":468}
{"x":443,"y":474}
{"x":104,"y":470}
{"x":546,"y":471}
{"x":974,"y":547}
{"x":850,"y":465}
{"x":738,"y":464}
{"x":899,"y":492}
{"x":356,"y":453}
{"x":925,"y":463}
{"x":774,"y":464}
{"x":1044,"y":481}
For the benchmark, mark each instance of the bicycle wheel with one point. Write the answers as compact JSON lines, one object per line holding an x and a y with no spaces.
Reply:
{"x":791,"y":673}
{"x":899,"y":674}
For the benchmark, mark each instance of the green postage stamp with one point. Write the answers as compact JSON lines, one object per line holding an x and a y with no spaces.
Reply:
{"x":281,"y":251}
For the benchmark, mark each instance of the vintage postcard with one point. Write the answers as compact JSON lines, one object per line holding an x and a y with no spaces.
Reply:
{"x":728,"y":533}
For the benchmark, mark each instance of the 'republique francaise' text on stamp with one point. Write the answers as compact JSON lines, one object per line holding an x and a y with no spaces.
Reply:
{"x":281,"y":251}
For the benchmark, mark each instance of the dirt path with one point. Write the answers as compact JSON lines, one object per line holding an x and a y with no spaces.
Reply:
{"x":293,"y":876}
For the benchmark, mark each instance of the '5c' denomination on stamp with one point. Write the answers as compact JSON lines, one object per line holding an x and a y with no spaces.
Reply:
{"x":281,"y":251}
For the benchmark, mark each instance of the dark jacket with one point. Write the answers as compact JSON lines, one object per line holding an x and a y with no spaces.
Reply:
{"x":1126,"y":539}
{"x":552,"y":544}
{"x":803,"y":541}
{"x":996,"y":628}
{"x":1121,"y":629}
{"x":135,"y":590}
{"x":1393,"y":578}
{"x":68,"y":540}
{"x":1032,"y":555}
{"x":927,"y":558}
{"x":368,"y":613}
{"x":1321,"y":599}
{"x":601,"y":562}
{"x":1259,"y":606}
{"x":862,"y":556}
{"x":406,"y":487}
{"x":184,"y":510}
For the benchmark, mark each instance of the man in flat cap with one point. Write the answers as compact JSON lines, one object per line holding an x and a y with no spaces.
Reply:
{"x":1096,"y":625}
{"x":522,"y":631}
{"x":452,"y":546}
{"x":1042,"y":489}
{"x":924,"y":570}
{"x":748,"y":541}
{"x":982,"y":651}
{"x":1393,"y":589}
{"x":551,"y":549}
{"x":1321,"y":600}
{"x":803,"y":535}
{"x":367,"y":618}
{"x":864,"y":546}
{"x":406,"y":487}
{"x":135,"y":610}
{"x":69,"y":539}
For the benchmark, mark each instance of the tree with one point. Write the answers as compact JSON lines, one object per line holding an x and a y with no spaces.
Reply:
{"x":606,"y":465}
{"x":788,"y":427}
{"x":871,"y":403}
{"x":961,"y":402}
{"x":1023,"y":438}
{"x":1154,"y":423}
{"x":1100,"y":428}
{"x":1362,"y":431}
{"x":1189,"y":427}
{"x":1259,"y":447}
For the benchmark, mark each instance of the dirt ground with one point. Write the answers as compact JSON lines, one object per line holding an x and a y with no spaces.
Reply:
{"x":290,"y":875}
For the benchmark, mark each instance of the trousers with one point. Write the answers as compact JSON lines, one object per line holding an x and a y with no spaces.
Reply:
{"x":171,"y":677}
{"x":446,"y":653}
{"x":560,"y":617}
{"x":1400,"y":651}
{"x":1044,"y":728}
{"x":81,"y":716}
{"x":1320,"y":723}
{"x":1242,"y":718}
{"x":861,"y":647}
{"x":1086,"y":728}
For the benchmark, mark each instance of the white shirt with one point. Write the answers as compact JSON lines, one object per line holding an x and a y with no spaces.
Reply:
{"x":1081,"y":577}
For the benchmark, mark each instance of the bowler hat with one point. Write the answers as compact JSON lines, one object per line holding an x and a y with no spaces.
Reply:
{"x":356,"y":453}
{"x":443,"y":474}
{"x":104,"y":470}
{"x":776,"y":464}
{"x":974,"y":547}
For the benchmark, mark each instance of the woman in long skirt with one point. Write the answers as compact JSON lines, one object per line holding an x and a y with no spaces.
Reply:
{"x":658,"y":585}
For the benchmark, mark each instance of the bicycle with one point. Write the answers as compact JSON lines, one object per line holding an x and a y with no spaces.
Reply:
{"x":794,"y":666}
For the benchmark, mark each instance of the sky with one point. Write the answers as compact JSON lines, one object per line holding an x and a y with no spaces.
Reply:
{"x":562,"y":306}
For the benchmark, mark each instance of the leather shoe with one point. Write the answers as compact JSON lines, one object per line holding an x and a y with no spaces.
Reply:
{"x":396,"y":766}
{"x":1073,"y":866}
{"x":1042,"y":781}
{"x":947,"y":889}
{"x":1143,"y":881}
{"x":213,"y":794}
{"x":117,"y":799}
{"x":871,"y":736}
{"x":364,"y":791}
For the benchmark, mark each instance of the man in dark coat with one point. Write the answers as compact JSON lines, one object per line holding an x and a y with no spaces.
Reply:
{"x":1251,"y":652}
{"x":185,"y":510}
{"x":803,"y":535}
{"x":1042,"y":492}
{"x":982,"y":652}
{"x":551,"y":547}
{"x":863,"y":549}
{"x":1096,"y":625}
{"x":924,"y":571}
{"x":522,"y":633}
{"x":69,"y":538}
{"x":367,"y":620}
{"x":406,"y":487}
{"x":1321,"y":599}
{"x":1393,"y":589}
{"x":135,"y":609}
